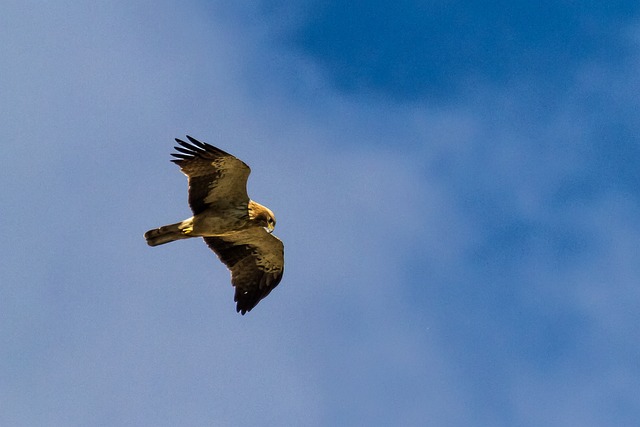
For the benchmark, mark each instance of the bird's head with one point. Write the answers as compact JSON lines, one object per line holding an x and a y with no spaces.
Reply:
{"x":262,"y":215}
{"x":271,"y":223}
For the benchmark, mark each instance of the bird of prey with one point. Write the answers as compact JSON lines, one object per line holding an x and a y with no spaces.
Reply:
{"x":235,"y":227}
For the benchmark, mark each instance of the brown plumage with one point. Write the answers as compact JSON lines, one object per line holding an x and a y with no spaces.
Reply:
{"x":236,"y":228}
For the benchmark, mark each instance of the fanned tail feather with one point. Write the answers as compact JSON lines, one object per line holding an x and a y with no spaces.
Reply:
{"x":165,"y":234}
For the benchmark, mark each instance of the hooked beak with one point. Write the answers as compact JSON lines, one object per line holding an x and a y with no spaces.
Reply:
{"x":269,"y":228}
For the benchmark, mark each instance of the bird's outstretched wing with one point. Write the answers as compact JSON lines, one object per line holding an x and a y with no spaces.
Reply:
{"x":215,"y":176}
{"x":256,"y":261}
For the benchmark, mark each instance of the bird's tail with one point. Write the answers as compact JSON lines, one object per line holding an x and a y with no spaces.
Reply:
{"x":166,"y":234}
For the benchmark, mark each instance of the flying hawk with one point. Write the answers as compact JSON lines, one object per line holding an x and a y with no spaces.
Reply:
{"x":235,"y":227}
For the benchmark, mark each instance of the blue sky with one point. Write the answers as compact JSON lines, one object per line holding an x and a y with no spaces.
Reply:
{"x":456,"y":185}
{"x":418,"y":49}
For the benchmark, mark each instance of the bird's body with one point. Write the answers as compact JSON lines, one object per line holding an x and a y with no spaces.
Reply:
{"x":236,"y":228}
{"x":218,"y":221}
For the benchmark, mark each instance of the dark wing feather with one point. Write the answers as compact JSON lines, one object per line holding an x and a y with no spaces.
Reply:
{"x":215,"y":176}
{"x":256,"y":261}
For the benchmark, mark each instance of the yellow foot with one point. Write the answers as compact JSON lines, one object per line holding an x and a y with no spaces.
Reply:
{"x":187,"y":230}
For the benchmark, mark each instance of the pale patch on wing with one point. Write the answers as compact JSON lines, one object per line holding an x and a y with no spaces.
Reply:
{"x":231,"y":184}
